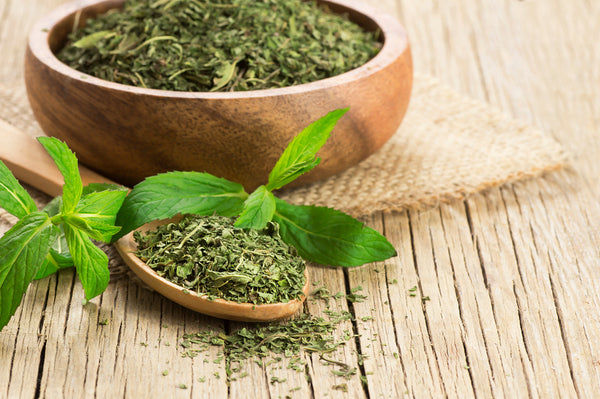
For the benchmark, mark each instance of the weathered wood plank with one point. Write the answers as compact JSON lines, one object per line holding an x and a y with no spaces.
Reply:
{"x":436,"y":282}
{"x":375,"y":325}
{"x":493,"y":369}
{"x":126,"y":356}
{"x":499,"y":268}
{"x":416,"y":351}
{"x":513,"y":69}
{"x":323,"y":381}
{"x":512,"y":274}
{"x":567,"y":240}
{"x":539,"y":314}
{"x":22,"y":344}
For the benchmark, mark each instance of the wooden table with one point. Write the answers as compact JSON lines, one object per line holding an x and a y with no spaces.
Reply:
{"x":512,"y":274}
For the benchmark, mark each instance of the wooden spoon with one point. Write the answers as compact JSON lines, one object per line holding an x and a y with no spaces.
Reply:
{"x":30,"y":163}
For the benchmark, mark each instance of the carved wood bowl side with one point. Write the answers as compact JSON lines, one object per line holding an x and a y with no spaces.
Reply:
{"x":128,"y":133}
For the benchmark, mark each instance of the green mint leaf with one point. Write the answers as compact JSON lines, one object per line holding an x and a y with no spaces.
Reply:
{"x":22,"y":251}
{"x":96,"y":229}
{"x":225,"y":72}
{"x":48,"y":267}
{"x":299,"y":156}
{"x":67,"y":165}
{"x":13,"y":197}
{"x":90,"y":262}
{"x":167,"y":194}
{"x":101,"y":205}
{"x":98,"y":212}
{"x":330,"y":237}
{"x":58,"y":258}
{"x":95,"y":187}
{"x":52,"y":208}
{"x":258,"y":210}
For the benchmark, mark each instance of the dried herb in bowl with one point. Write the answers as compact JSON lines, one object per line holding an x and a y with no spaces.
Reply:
{"x":218,"y":45}
{"x":209,"y":255}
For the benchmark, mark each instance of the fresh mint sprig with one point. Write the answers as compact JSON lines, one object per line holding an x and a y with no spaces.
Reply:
{"x":320,"y":234}
{"x":59,"y":236}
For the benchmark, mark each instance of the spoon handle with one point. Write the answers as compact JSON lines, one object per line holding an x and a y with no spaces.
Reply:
{"x":31,"y":164}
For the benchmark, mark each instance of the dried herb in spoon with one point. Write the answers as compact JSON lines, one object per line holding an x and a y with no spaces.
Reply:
{"x":218,"y":45}
{"x":210,"y":256}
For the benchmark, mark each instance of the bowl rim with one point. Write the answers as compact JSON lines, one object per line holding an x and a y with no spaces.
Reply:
{"x":395,"y":44}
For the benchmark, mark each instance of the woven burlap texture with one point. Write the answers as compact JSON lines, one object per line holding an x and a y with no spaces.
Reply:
{"x":447,"y":147}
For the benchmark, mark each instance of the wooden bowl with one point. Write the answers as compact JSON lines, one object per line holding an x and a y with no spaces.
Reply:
{"x":128,"y":133}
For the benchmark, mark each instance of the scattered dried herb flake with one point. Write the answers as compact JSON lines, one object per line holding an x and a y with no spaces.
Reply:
{"x":306,"y":333}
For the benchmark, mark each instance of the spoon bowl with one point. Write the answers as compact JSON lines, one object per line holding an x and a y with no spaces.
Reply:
{"x":126,"y":246}
{"x":30,"y":163}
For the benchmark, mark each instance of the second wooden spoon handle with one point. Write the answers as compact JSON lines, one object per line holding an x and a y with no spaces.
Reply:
{"x":31,"y":164}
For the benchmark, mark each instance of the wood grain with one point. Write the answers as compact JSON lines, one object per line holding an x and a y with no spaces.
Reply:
{"x":512,"y":274}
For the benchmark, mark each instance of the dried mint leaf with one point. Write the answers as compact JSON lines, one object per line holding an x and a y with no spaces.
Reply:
{"x":218,"y":45}
{"x":209,"y":255}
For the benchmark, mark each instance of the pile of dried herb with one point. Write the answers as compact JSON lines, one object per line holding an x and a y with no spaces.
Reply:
{"x":218,"y":45}
{"x":304,"y":334}
{"x":210,"y":256}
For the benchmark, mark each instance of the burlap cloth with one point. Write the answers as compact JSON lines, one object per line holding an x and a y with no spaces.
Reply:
{"x":447,"y":147}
